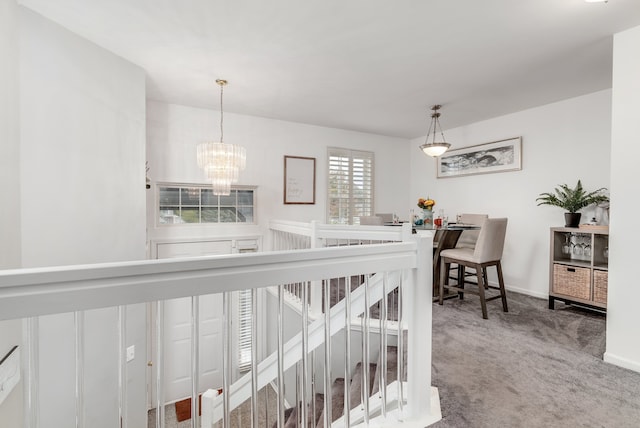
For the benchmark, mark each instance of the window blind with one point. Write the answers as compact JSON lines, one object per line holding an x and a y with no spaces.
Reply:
{"x":244,"y":330}
{"x":350,"y":189}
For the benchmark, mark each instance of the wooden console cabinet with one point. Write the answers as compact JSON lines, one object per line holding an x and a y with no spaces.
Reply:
{"x":578,"y":268}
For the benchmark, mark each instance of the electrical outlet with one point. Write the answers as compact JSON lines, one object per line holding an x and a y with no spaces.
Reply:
{"x":131,"y":353}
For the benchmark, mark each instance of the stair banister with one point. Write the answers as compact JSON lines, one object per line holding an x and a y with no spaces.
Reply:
{"x":418,"y":306}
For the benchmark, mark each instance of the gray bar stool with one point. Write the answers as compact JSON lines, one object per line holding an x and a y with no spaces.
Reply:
{"x":487,"y":252}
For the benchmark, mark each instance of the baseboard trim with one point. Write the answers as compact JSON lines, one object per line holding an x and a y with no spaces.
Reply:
{"x":526,"y":292}
{"x":621,"y":362}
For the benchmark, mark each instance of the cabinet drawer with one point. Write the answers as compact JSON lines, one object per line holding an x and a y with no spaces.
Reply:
{"x":600,"y":280}
{"x":572,"y":281}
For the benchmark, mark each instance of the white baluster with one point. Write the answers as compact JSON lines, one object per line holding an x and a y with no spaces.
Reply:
{"x":280,"y":356}
{"x":195,"y":360}
{"x":226,"y":358}
{"x":160,"y":364}
{"x":254,"y":358}
{"x":122,"y":366}
{"x":327,"y":355}
{"x":78,"y":326}
{"x":32,"y":388}
{"x":347,"y":354}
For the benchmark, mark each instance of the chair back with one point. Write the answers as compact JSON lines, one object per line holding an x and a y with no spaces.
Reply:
{"x":491,"y":240}
{"x":476,"y":219}
{"x":386,"y":217}
{"x":469,"y":238}
{"x":371,"y":220}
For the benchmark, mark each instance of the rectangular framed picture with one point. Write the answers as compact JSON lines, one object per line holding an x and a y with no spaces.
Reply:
{"x":497,"y":156}
{"x":299,"y":180}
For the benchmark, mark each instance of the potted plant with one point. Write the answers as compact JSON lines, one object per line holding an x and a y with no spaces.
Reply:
{"x":572,"y":200}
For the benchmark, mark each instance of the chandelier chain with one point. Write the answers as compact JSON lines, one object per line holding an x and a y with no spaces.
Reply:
{"x":221,"y":114}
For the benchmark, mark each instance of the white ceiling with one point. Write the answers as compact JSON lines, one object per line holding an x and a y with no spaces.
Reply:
{"x":366,"y":65}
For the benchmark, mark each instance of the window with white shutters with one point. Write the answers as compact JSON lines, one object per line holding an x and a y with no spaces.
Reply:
{"x":350,"y":188}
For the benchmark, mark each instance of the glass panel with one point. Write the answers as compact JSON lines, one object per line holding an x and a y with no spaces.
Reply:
{"x":245,"y":197}
{"x":229,"y":200}
{"x":190,"y":215}
{"x":208,"y":198}
{"x":169,"y":215}
{"x":245,"y":214}
{"x":209,"y":215}
{"x":169,"y":196}
{"x":198,"y":204}
{"x":227,"y":215}
{"x":190,"y":196}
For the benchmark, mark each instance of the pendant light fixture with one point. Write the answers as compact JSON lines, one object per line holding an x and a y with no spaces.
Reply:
{"x":220,"y":161}
{"x":435,"y":148}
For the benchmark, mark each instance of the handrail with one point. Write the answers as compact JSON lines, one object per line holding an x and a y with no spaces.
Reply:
{"x":43,"y":291}
{"x":342,"y":231}
{"x":32,"y":292}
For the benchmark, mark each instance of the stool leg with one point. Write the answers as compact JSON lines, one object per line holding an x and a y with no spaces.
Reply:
{"x":444,"y":278}
{"x":481,"y":273}
{"x":503,"y":292}
{"x":461,"y":277}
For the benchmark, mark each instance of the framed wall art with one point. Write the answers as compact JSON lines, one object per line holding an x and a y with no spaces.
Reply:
{"x":497,"y":156}
{"x":299,"y":180}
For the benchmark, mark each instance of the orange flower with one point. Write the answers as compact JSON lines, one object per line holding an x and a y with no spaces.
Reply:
{"x":426,"y":203}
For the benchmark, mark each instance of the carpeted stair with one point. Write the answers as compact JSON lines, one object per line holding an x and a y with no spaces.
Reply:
{"x":337,"y":393}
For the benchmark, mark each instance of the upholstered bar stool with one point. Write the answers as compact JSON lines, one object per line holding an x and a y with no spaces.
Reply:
{"x":487,"y":252}
{"x":371,"y":220}
{"x":469,"y":238}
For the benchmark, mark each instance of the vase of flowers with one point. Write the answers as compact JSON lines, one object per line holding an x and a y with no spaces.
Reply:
{"x":427,"y":211}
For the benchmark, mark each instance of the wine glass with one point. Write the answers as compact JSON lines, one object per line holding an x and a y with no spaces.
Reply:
{"x":566,"y":248}
{"x":578,"y":247}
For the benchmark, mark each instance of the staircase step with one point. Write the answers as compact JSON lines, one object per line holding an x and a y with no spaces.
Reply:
{"x":291,"y":415}
{"x":355,"y":388}
{"x":392,"y":368}
{"x":337,"y":402}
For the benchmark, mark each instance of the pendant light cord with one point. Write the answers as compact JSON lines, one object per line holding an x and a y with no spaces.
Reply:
{"x":221,"y":114}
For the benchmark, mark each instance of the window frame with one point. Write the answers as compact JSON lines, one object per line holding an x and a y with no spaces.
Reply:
{"x":351,"y":154}
{"x":201,"y":186}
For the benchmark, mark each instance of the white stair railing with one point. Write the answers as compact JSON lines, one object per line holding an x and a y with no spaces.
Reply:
{"x":285,"y":233}
{"x":32,"y":293}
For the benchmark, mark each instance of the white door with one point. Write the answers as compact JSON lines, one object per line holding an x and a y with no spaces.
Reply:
{"x":177,"y":331}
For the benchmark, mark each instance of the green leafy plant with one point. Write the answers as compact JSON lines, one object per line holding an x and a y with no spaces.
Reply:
{"x":572,"y":199}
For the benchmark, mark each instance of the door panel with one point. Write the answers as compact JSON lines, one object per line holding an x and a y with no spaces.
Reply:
{"x":177,"y":330}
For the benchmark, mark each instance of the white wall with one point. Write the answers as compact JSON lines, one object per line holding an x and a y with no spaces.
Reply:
{"x":623,"y":318}
{"x":174,"y":131}
{"x":82,"y":124}
{"x":561,"y":143}
{"x":9,"y":137}
{"x":10,"y":331}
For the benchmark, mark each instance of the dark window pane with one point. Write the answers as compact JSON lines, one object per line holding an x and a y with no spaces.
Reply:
{"x":227,"y":215}
{"x":169,"y":215}
{"x":169,"y":196}
{"x":210,"y":215}
{"x":190,"y":215}
{"x":190,"y":196}
{"x":208,"y":198}
{"x":245,"y":214}
{"x":229,"y":200}
{"x":245,"y":197}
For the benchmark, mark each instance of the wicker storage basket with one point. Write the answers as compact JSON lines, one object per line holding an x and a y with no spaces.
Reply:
{"x":600,"y":279}
{"x":572,"y":281}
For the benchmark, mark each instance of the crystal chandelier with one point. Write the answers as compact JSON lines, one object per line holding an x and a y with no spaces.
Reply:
{"x":435,"y":148}
{"x":220,"y":161}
